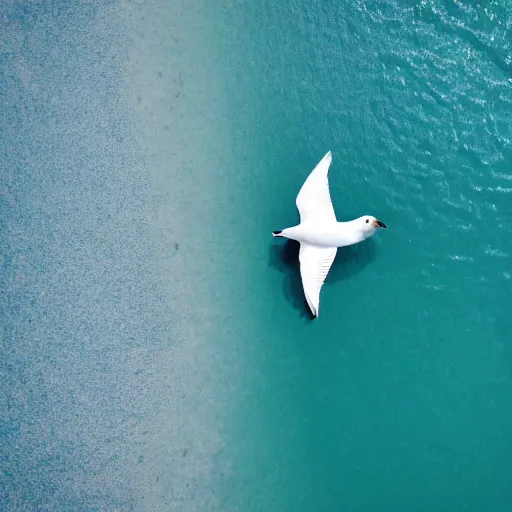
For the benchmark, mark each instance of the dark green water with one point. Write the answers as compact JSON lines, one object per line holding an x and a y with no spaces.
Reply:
{"x":156,"y":352}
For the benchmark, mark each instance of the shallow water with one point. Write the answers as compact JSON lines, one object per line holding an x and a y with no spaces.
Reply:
{"x":156,"y":351}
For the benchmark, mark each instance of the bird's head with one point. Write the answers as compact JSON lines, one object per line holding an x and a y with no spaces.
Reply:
{"x":369,"y":225}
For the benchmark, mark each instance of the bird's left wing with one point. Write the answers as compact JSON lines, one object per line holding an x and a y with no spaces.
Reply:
{"x":314,"y":197}
{"x":315,"y":263}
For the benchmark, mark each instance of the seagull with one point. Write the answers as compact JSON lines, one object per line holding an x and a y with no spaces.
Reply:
{"x":320,"y":234}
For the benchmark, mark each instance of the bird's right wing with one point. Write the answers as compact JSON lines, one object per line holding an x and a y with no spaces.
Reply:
{"x":314,"y":197}
{"x":315,"y":263}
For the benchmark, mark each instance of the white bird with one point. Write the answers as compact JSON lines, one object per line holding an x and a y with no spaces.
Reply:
{"x":320,"y":234}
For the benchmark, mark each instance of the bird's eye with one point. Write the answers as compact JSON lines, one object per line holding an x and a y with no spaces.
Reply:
{"x":367,"y":220}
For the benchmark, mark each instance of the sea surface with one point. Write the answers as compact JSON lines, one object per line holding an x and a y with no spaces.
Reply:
{"x":156,"y":352}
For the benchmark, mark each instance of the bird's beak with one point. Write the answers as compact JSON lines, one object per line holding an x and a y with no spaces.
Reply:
{"x":379,"y":224}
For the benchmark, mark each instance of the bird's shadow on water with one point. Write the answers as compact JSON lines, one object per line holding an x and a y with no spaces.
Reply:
{"x":349,"y":262}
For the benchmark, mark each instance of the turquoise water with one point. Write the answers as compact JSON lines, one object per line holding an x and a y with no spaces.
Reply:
{"x":156,"y":351}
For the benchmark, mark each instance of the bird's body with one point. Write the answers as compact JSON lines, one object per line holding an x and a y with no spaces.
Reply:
{"x":320,"y":234}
